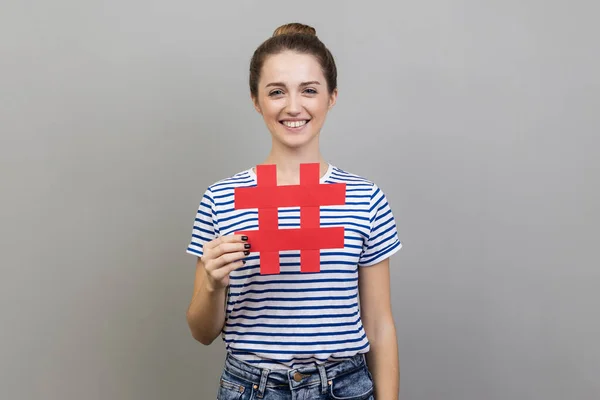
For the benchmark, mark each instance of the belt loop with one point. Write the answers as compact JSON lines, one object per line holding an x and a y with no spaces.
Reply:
{"x":323,"y":374}
{"x":263,"y":382}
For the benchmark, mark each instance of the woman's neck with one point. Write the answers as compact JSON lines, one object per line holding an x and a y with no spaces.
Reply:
{"x":288,"y":163}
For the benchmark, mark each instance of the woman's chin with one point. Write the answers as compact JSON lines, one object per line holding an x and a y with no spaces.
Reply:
{"x":296,"y":141}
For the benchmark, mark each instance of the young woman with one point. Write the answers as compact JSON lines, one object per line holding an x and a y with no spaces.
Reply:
{"x":297,"y":335}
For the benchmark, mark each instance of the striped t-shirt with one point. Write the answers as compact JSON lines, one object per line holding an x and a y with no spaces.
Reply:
{"x":294,"y":318}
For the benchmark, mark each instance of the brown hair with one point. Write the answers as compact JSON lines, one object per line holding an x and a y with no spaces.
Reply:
{"x":295,"y":37}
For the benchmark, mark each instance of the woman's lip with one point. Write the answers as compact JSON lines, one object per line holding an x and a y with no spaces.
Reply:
{"x":295,"y":129}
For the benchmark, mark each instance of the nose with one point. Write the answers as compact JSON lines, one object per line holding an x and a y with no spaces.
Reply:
{"x":293,"y":106}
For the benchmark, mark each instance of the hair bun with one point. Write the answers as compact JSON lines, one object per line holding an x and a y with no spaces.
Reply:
{"x":295,"y":28}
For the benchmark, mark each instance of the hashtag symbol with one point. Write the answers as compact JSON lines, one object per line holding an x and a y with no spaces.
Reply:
{"x":309,"y":195}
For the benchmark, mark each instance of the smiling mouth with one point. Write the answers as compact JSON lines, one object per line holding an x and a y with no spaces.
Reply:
{"x":294,"y":124}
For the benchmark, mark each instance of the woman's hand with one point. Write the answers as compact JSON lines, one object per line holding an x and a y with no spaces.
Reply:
{"x":221,"y":256}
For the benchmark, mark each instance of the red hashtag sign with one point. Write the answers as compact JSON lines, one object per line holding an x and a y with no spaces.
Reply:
{"x":309,"y":195}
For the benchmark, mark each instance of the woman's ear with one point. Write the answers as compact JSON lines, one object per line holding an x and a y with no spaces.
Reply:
{"x":256,"y":105}
{"x":333,"y":98}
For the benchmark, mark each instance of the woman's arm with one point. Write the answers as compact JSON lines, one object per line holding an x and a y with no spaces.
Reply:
{"x":206,"y":312}
{"x":376,"y":314}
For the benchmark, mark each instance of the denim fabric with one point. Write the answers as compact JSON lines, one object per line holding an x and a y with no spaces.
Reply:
{"x":344,"y":380}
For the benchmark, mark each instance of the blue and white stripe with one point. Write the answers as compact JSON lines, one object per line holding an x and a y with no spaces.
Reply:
{"x":295,"y":319}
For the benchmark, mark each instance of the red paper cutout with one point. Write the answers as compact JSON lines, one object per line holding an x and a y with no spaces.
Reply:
{"x":309,"y":195}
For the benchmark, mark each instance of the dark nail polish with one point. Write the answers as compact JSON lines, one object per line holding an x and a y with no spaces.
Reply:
{"x":247,"y":246}
{"x":246,"y":252}
{"x":244,"y":237}
{"x":243,"y":261}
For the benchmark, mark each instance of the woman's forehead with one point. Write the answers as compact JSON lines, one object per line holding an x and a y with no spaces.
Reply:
{"x":291,"y":67}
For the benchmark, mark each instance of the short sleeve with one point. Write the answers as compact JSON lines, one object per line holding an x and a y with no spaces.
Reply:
{"x":383,"y":239}
{"x":205,"y":226}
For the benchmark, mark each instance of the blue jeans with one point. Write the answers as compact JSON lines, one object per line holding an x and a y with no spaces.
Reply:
{"x":344,"y":380}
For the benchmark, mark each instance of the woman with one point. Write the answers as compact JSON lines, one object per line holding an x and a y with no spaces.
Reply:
{"x":296,"y":333}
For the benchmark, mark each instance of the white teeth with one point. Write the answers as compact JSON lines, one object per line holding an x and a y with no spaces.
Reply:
{"x":294,"y":124}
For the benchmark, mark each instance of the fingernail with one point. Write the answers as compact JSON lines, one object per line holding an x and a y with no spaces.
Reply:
{"x":247,"y":246}
{"x":244,"y":237}
{"x":246,"y":252}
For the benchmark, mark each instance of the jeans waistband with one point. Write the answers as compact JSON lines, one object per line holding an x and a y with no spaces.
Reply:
{"x":292,"y":378}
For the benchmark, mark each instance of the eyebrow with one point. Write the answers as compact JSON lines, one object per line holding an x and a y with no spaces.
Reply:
{"x":301,"y":85}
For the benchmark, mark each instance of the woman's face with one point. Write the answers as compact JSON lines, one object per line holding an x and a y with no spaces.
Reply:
{"x":293,"y":98}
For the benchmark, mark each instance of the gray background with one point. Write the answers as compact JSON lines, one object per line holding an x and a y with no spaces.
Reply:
{"x":478,"y":119}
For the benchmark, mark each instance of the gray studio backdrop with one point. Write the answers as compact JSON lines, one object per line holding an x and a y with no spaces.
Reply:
{"x":479,"y":119}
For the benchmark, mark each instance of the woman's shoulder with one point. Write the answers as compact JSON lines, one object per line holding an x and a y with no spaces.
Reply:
{"x":239,"y":179}
{"x":338,"y":174}
{"x":358,"y":185}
